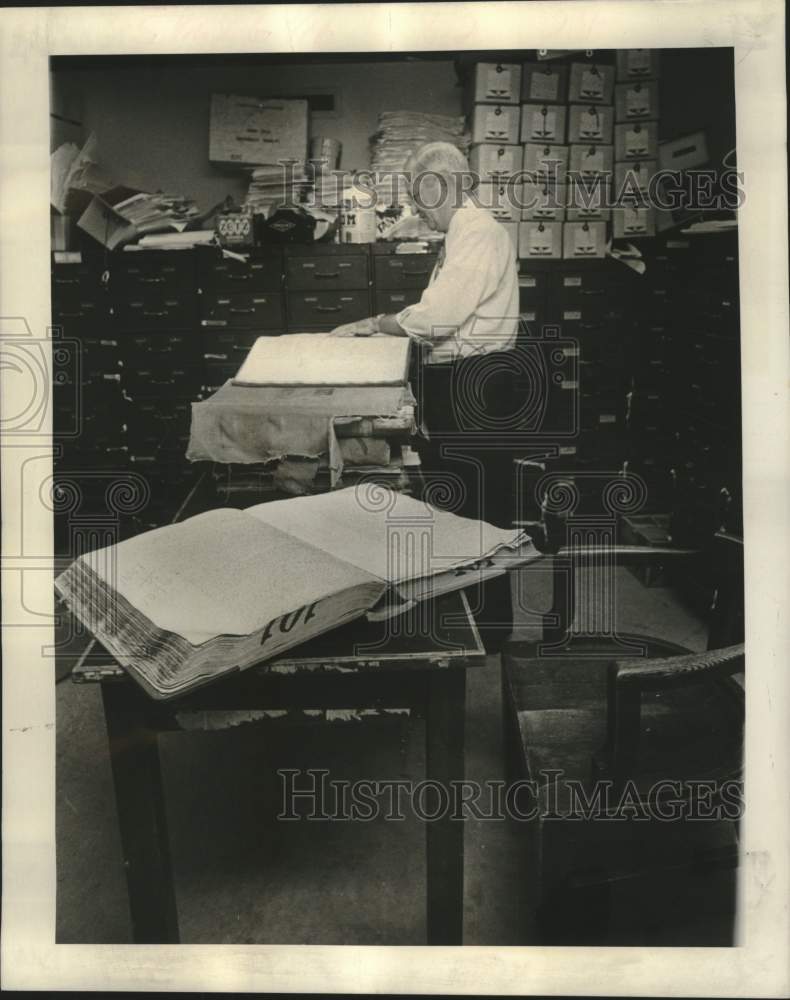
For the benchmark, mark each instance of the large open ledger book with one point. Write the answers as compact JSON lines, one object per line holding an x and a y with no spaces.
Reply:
{"x":185,"y":604}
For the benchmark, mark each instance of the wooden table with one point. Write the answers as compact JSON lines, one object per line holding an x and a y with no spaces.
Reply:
{"x":357,"y":668}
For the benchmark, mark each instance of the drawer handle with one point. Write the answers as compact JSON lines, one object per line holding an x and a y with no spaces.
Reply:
{"x":152,"y":312}
{"x":75,"y":315}
{"x":326,"y":274}
{"x":592,"y":291}
{"x":241,"y":312}
{"x":416,"y":274}
{"x":238,"y":277}
{"x":152,"y":281}
{"x":67,"y":281}
{"x":214,"y":322}
{"x":328,"y":309}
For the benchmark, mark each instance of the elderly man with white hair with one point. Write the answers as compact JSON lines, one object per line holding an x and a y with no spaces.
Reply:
{"x":471,"y":304}
{"x":466,"y":323}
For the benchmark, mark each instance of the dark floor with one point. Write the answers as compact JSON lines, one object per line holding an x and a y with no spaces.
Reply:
{"x":244,"y":877}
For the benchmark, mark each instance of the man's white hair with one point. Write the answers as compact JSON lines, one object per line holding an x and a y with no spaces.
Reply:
{"x":441,"y":157}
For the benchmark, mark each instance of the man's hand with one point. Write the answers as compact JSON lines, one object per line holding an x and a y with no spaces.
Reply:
{"x":361,"y":328}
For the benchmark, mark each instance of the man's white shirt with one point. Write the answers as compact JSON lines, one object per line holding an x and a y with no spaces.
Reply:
{"x":471,"y":303}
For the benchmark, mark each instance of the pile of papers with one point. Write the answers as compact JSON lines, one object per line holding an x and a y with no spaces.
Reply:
{"x":75,"y":176}
{"x":276,"y":185}
{"x":156,"y":213}
{"x":399,"y":134}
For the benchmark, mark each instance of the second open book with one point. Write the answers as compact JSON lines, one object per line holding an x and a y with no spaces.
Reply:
{"x":187,"y":603}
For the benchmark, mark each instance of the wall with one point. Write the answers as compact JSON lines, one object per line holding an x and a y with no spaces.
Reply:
{"x":153,"y":121}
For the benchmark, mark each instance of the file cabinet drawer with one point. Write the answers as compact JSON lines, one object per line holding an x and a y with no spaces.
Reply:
{"x":175,"y":348}
{"x":532,"y":289}
{"x":578,"y":285}
{"x":157,"y":381}
{"x":79,"y":310}
{"x":78,"y":275}
{"x":326,"y":309}
{"x":243,"y":310}
{"x":228,"y":345}
{"x":215,"y":375}
{"x":223,"y":274}
{"x":393,"y":302}
{"x":166,"y":272}
{"x":157,"y":311}
{"x":320,"y":273}
{"x":404,"y":271}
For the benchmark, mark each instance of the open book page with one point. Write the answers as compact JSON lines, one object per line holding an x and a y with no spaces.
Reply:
{"x":321,"y":359}
{"x":220,"y":573}
{"x":387,"y":534}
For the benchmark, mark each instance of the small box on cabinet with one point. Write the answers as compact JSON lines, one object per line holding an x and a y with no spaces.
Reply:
{"x":636,"y":101}
{"x":632,"y":177}
{"x":588,"y":198}
{"x":496,"y":123}
{"x":633,"y":220}
{"x":683,"y":153}
{"x":545,"y":161}
{"x":636,"y":141}
{"x":543,"y":123}
{"x":589,"y":161}
{"x":540,"y":240}
{"x":583,"y":240}
{"x":495,"y":83}
{"x":591,"y":83}
{"x":590,"y":123}
{"x":544,"y":83}
{"x":490,"y":161}
{"x":502,"y":199}
{"x":636,"y":64}
{"x":543,"y":201}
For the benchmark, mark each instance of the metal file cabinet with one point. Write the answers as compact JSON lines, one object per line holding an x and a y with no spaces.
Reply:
{"x":326,"y":285}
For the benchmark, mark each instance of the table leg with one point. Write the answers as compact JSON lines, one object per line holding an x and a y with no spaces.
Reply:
{"x":444,"y":735}
{"x":139,"y":797}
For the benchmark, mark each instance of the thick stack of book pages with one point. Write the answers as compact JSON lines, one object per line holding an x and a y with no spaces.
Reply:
{"x":310,"y":412}
{"x":189,"y":603}
{"x":401,"y":133}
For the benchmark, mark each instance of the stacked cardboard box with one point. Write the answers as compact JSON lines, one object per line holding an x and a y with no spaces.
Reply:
{"x":636,"y":140}
{"x":492,"y":106}
{"x":555,"y":142}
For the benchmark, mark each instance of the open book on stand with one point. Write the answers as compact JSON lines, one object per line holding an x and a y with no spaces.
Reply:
{"x":186,"y":604}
